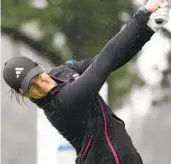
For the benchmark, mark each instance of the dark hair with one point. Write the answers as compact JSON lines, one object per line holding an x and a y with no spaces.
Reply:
{"x":17,"y":95}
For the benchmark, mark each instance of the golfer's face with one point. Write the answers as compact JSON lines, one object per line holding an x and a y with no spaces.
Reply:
{"x":40,"y":85}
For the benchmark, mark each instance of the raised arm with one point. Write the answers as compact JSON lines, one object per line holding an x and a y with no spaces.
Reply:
{"x":82,"y":65}
{"x":117,"y":49}
{"x":116,"y":52}
{"x":152,"y":26}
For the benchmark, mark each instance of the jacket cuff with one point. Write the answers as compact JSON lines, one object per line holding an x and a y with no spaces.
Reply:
{"x":143,"y":14}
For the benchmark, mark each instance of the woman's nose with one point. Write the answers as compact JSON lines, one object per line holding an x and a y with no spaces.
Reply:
{"x":36,"y":81}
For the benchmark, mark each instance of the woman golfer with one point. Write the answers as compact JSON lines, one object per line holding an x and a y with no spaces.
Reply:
{"x":68,"y":94}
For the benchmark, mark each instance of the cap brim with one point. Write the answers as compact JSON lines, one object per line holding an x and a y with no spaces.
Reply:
{"x":32,"y":73}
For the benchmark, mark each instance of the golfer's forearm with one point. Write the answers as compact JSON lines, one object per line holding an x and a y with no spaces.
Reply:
{"x":126,"y":44}
{"x":143,"y":38}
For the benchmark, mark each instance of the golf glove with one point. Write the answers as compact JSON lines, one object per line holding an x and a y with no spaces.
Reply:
{"x":159,"y":18}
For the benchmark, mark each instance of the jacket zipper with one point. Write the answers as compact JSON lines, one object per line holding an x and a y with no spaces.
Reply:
{"x":106,"y":134}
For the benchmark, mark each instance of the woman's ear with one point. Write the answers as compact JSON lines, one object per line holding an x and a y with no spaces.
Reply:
{"x":22,"y":93}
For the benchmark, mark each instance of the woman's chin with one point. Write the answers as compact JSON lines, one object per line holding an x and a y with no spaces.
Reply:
{"x":44,"y":92}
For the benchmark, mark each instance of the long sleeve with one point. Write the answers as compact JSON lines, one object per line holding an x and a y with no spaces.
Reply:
{"x":82,"y":65}
{"x":119,"y":50}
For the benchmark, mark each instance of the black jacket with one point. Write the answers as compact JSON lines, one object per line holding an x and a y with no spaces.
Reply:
{"x":77,"y":111}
